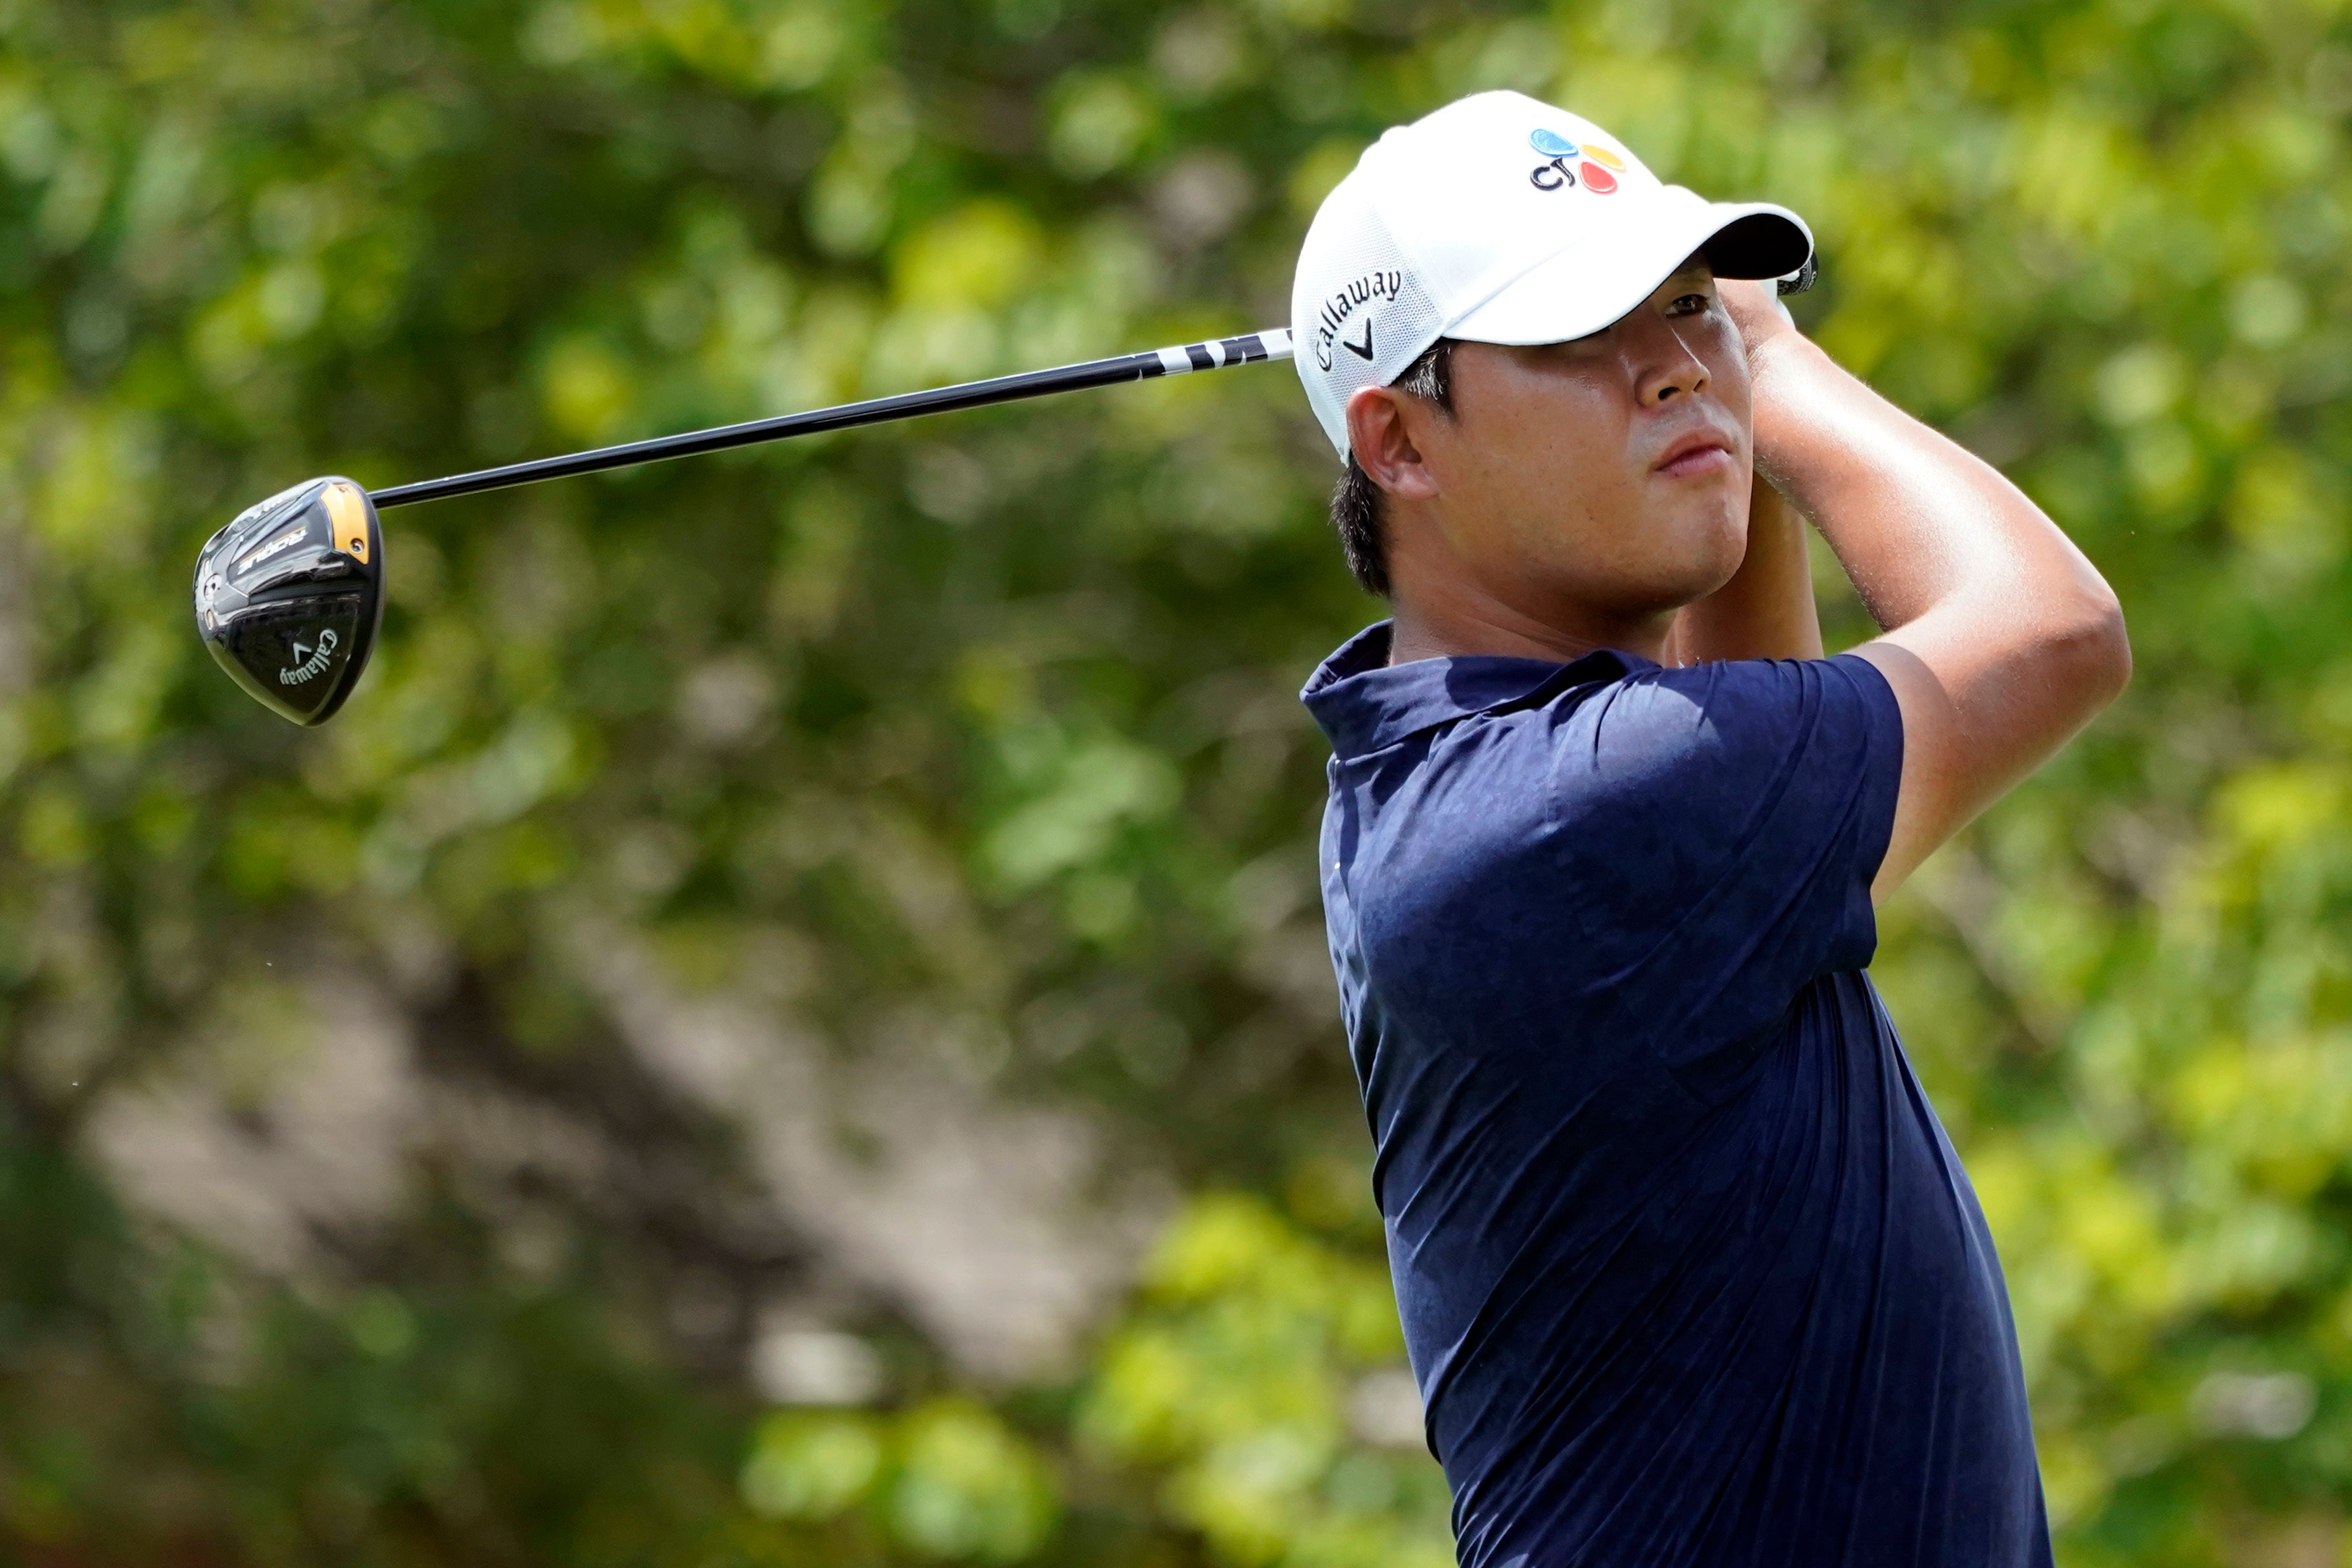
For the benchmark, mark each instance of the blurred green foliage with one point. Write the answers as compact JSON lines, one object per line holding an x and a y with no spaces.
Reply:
{"x":946,"y":1479}
{"x":1226,"y":1380}
{"x":985,"y":723}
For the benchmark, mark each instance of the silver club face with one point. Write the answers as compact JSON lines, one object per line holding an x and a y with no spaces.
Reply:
{"x":290,"y":594}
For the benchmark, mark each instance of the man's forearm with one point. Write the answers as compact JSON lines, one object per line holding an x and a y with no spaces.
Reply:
{"x":2001,"y":639}
{"x":1765,"y":611}
{"x":1916,"y":518}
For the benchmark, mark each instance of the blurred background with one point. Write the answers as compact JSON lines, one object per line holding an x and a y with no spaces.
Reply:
{"x":788,"y":1023}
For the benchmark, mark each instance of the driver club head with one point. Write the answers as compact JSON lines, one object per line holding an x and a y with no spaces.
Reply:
{"x":290,"y":594}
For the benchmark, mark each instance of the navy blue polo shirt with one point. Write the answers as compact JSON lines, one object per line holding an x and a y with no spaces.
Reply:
{"x":1689,"y":1271}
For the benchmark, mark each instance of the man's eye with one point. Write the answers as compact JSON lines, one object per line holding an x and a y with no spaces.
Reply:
{"x":1691,"y":304}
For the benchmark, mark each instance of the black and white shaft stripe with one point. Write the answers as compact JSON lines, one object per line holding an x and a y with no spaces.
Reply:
{"x":1272,"y":344}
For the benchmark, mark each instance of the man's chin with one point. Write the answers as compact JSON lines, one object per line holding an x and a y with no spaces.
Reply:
{"x":1705,"y":568}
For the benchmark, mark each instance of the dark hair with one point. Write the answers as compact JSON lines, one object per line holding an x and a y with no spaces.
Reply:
{"x":1359,"y":509}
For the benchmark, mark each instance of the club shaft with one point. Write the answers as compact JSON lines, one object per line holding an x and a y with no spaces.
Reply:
{"x":1247,"y":348}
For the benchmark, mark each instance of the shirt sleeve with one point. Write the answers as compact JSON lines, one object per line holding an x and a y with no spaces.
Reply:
{"x":1719,"y":828}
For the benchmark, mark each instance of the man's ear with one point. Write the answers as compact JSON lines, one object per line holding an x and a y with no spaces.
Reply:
{"x":1380,"y":437}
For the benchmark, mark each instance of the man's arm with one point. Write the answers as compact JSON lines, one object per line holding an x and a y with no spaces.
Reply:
{"x":2001,"y":639}
{"x":1765,"y":611}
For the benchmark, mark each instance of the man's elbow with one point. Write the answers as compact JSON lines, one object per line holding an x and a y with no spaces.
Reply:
{"x":2093,"y":649}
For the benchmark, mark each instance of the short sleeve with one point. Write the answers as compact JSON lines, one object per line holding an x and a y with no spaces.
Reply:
{"x":1719,"y":827}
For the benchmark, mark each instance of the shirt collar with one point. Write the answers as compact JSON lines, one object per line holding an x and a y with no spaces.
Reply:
{"x":1363,"y":702}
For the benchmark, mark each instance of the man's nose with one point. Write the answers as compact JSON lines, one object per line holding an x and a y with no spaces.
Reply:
{"x":1664,"y":367}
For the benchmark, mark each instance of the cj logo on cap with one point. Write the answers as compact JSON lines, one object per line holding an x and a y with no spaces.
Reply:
{"x":1569,"y":161}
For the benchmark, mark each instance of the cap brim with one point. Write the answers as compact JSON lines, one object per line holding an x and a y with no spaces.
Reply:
{"x":1584,"y":288}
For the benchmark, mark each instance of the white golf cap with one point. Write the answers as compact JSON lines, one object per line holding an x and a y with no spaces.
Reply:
{"x":1500,"y":220}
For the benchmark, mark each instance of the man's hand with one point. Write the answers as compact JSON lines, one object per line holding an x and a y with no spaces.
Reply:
{"x":1755,"y":308}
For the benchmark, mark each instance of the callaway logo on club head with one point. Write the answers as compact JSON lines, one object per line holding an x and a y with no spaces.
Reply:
{"x":1594,"y":167}
{"x":314,"y":660}
{"x":1343,"y":303}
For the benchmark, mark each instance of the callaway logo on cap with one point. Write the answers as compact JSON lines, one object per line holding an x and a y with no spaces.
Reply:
{"x":1500,"y":220}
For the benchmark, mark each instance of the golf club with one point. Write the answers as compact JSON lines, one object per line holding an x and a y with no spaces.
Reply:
{"x":289,"y":596}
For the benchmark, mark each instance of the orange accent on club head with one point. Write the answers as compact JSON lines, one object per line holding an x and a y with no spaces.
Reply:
{"x":347,"y":518}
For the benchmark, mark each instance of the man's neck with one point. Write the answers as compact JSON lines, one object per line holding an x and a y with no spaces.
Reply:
{"x":1459,"y":621}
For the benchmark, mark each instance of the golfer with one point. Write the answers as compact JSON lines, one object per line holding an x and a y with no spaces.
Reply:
{"x":1688,"y":1271}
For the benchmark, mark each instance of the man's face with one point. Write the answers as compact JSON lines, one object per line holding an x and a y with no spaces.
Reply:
{"x":1607,"y":477}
